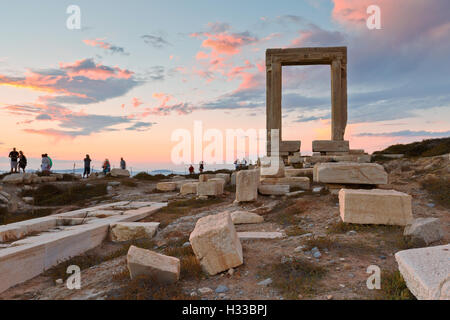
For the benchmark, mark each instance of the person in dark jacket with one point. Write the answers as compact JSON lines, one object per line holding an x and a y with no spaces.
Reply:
{"x":22,"y":161}
{"x":87,"y":166}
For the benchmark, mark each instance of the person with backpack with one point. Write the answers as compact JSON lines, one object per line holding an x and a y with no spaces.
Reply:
{"x":201,"y":167}
{"x":22,"y":161}
{"x":50,"y":162}
{"x":14,"y":155}
{"x":87,"y":166}
{"x":45,"y":164}
{"x":106,"y":166}
{"x":191,"y":170}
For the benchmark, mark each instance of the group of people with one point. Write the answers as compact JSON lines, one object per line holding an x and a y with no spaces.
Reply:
{"x":201,"y":167}
{"x":18,"y":161}
{"x":239,"y":165}
{"x":106,"y":166}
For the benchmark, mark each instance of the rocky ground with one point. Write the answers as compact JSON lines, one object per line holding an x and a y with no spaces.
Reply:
{"x":320,"y":257}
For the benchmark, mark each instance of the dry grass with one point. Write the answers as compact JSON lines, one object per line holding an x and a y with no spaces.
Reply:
{"x":52,"y":195}
{"x":393,"y":287}
{"x":7,"y":217}
{"x":293,"y":231}
{"x":287,"y":212}
{"x":439,"y":190}
{"x":342,"y":227}
{"x":293,"y":278}
{"x":146,"y":288}
{"x":181,"y":208}
{"x":128,"y":182}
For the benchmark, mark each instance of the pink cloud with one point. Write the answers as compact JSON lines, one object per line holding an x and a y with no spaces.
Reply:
{"x":136,"y":102}
{"x":201,"y":55}
{"x":89,"y":69}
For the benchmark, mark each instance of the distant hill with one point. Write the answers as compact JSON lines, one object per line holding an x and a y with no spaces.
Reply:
{"x":425,"y":148}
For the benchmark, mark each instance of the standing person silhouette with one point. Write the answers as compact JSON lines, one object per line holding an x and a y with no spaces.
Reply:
{"x":201,"y":167}
{"x":22,"y":161}
{"x":123,"y":164}
{"x":45,"y":164}
{"x":14,"y":155}
{"x":87,"y":166}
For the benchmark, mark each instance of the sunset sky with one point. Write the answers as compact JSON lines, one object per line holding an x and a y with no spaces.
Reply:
{"x":138,"y":70}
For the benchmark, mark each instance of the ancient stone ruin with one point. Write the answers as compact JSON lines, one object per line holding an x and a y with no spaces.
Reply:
{"x":336,"y":57}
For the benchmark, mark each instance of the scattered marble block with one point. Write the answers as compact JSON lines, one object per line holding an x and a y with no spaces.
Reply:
{"x":330,"y":145}
{"x":247,"y":182}
{"x":292,"y":182}
{"x":375,"y":206}
{"x":15,"y":178}
{"x":166,"y":186}
{"x":224,"y":176}
{"x":158,"y":267}
{"x":272,"y":167}
{"x":180,"y":182}
{"x":290,"y":146}
{"x":212,"y":187}
{"x":221,"y":182}
{"x":426,"y":271}
{"x":260,"y":235}
{"x":126,"y":231}
{"x":273,"y":189}
{"x":216,"y":244}
{"x":295,"y":158}
{"x":304,"y":172}
{"x":116,"y":172}
{"x":189,"y":188}
{"x":205,"y":177}
{"x":245,"y":217}
{"x":425,"y":230}
{"x":350,"y":173}
{"x":233,"y":178}
{"x":356,"y":151}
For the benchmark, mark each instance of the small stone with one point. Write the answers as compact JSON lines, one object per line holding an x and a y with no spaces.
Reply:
{"x":317,"y":189}
{"x":351,"y":233}
{"x":430,"y":205}
{"x":383,"y":257}
{"x":299,"y":249}
{"x":221,"y":289}
{"x":351,"y":275}
{"x":317,"y":255}
{"x":205,"y":290}
{"x":342,"y":285}
{"x":193,"y":294}
{"x":329,"y":297}
{"x":231,"y":271}
{"x":265,"y":282}
{"x":186,"y":244}
{"x":300,"y":297}
{"x":59,"y":281}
